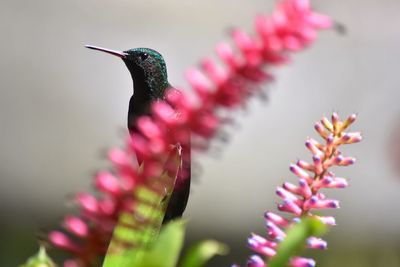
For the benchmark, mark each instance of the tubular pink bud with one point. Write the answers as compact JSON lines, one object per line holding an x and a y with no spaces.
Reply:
{"x":257,"y":247}
{"x":108,"y":183}
{"x":301,"y":262}
{"x":316,"y":243}
{"x":199,"y":82}
{"x":275,"y":218}
{"x":61,"y":240}
{"x":305,"y":189}
{"x":274,"y":231}
{"x":226,"y":54}
{"x":315,"y":203}
{"x":320,"y":129}
{"x":348,"y":121}
{"x":88,"y":202}
{"x":305,"y":165}
{"x":318,"y":164}
{"x":262,"y":241}
{"x":256,"y":261}
{"x":282,"y":193}
{"x":216,"y":73}
{"x":327,"y":124}
{"x":76,"y":226}
{"x":301,"y":173}
{"x":313,"y":146}
{"x":290,"y":206}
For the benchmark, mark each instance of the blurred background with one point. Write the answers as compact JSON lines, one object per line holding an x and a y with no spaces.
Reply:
{"x":62,"y":106}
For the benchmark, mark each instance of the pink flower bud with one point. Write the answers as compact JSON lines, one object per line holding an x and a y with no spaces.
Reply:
{"x":199,"y":82}
{"x":274,"y":231}
{"x":256,"y":261}
{"x":216,"y":73}
{"x":290,"y":206}
{"x":320,"y":129}
{"x":301,"y":262}
{"x":315,"y":203}
{"x":316,"y":243}
{"x":260,"y":248}
{"x":88,"y":202}
{"x":108,"y":183}
{"x":301,"y":173}
{"x":76,"y":226}
{"x":314,"y":147}
{"x":63,"y":241}
{"x":275,"y":218}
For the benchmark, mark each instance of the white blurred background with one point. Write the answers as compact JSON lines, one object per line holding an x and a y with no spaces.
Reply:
{"x":62,"y":105}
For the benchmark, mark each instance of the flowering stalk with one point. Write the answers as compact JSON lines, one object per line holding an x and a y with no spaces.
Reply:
{"x":301,"y":200}
{"x":183,"y":117}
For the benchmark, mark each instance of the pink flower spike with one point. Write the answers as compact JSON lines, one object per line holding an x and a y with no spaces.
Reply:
{"x":63,"y":241}
{"x":76,"y":226}
{"x":301,"y":173}
{"x":275,"y":218}
{"x":301,"y":262}
{"x":256,"y":261}
{"x":291,"y":207}
{"x":315,"y":203}
{"x":316,"y":243}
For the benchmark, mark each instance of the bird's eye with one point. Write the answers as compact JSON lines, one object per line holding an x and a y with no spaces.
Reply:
{"x":144,"y":56}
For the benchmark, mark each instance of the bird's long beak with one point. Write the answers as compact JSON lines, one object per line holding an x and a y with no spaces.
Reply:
{"x":119,"y":54}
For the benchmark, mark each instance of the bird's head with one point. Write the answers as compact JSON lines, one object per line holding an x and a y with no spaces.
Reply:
{"x":144,"y":64}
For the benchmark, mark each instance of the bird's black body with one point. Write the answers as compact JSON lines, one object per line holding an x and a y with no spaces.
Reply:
{"x":149,"y":75}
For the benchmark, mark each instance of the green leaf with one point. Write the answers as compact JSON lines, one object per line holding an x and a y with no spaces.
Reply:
{"x":199,"y":254}
{"x":41,"y":259}
{"x":296,"y":239}
{"x":165,"y":251}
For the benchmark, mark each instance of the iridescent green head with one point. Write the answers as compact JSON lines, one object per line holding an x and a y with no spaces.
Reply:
{"x":147,"y":67}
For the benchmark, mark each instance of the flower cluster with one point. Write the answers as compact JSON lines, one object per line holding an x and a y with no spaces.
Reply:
{"x":183,"y":117}
{"x":301,"y":200}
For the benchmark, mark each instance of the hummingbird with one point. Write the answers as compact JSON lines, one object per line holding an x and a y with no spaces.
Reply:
{"x":149,"y":74}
